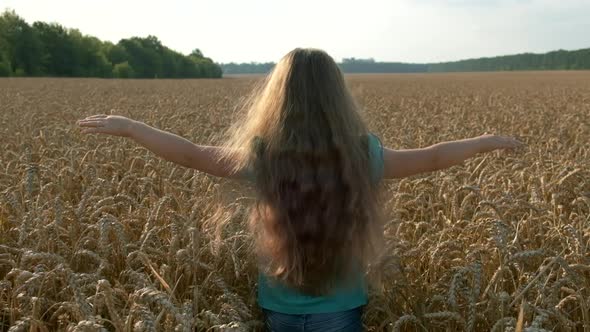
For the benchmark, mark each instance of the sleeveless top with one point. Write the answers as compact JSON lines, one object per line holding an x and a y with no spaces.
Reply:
{"x":277,"y":297}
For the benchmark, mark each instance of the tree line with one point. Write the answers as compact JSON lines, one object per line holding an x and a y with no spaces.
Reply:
{"x":49,"y":49}
{"x":354,"y":65}
{"x":556,"y":60}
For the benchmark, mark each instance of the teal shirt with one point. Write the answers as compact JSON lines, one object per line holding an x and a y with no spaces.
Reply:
{"x":277,"y":297}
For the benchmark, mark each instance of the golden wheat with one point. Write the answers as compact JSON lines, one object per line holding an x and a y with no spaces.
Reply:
{"x":99,"y":234}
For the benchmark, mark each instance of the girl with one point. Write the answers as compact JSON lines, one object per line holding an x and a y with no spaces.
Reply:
{"x":316,"y":224}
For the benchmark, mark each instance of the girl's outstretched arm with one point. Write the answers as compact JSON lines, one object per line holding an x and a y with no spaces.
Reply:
{"x":164,"y":144}
{"x":402,"y":163}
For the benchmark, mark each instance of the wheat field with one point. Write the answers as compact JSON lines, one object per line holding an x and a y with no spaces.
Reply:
{"x":99,"y":234}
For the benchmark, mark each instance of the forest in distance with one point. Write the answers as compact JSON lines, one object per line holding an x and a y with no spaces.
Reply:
{"x":555,"y":60}
{"x":52,"y":50}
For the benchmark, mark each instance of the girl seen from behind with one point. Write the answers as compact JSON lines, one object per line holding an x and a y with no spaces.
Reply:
{"x":316,"y":168}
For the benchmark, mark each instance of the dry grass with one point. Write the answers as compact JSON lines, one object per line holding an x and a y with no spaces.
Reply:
{"x":98,"y":233}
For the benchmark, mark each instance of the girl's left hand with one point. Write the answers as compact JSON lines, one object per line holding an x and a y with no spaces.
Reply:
{"x":107,"y":124}
{"x":501,"y":142}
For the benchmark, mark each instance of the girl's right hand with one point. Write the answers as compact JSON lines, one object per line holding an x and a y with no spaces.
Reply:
{"x":107,"y":124}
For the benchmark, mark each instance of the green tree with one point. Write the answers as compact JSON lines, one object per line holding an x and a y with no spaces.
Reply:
{"x":58,"y":48}
{"x":196,"y":53}
{"x":5,"y":67}
{"x":22,"y":45}
{"x":144,"y":55}
{"x":115,"y":53}
{"x":92,"y":60}
{"x":123,"y":70}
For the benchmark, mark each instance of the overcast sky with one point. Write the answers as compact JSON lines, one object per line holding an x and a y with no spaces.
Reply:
{"x":387,"y":30}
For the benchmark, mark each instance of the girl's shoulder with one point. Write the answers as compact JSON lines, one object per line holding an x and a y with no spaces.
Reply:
{"x":375,"y":150}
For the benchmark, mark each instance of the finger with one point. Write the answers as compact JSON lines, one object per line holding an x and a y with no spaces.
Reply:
{"x":518,"y":142}
{"x":515,"y":144}
{"x":90,"y":130}
{"x":97,"y":116}
{"x":90,"y":119}
{"x":91,"y":124}
{"x":93,"y":120}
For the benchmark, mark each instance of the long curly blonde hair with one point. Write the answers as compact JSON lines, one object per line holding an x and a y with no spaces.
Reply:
{"x":316,"y":219}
